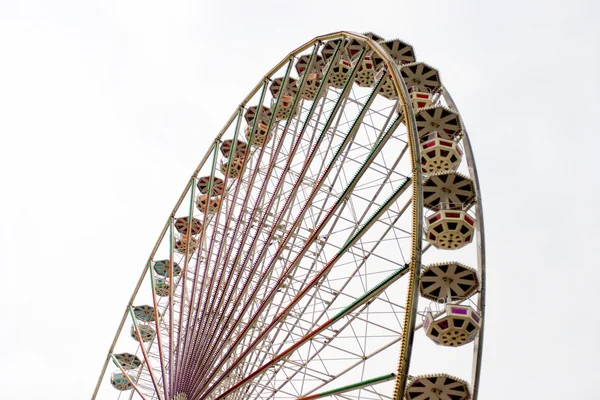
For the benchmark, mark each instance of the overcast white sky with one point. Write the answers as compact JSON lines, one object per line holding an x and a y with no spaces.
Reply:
{"x":107,"y":106}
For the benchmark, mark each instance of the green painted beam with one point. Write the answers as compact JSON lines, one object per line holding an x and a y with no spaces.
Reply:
{"x":381,"y":285}
{"x":354,"y":386}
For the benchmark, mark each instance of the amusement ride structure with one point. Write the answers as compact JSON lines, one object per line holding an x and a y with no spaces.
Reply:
{"x":329,"y":244}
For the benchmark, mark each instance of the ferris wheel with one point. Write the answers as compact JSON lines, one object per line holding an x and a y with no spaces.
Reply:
{"x":329,"y":244}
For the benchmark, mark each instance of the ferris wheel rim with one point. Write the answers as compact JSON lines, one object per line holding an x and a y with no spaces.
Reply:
{"x":480,"y":237}
{"x":417,"y":201}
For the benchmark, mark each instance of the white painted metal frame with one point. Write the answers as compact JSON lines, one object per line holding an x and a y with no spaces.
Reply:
{"x":267,"y":315}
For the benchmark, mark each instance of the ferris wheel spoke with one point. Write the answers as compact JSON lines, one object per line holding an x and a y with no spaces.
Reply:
{"x":187,"y":258}
{"x":132,"y":382}
{"x":351,"y":241}
{"x":321,"y":209}
{"x":275,"y":224}
{"x":397,"y":310}
{"x":224,"y":231}
{"x":272,"y":164}
{"x":159,"y":332}
{"x":208,"y":303}
{"x":353,"y":387}
{"x":160,"y":317}
{"x":325,"y":338}
{"x":170,"y":306}
{"x":390,"y":131}
{"x":305,"y":312}
{"x":148,"y":364}
{"x":186,"y":313}
{"x":355,"y":364}
{"x":343,"y":313}
{"x":155,"y":349}
{"x":296,"y":186}
{"x":321,"y":376}
{"x":256,"y":206}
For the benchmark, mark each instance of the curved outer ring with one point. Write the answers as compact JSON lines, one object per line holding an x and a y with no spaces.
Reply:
{"x":480,"y":235}
{"x":417,"y":201}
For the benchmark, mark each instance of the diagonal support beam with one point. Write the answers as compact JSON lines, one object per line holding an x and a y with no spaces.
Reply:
{"x":351,"y":387}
